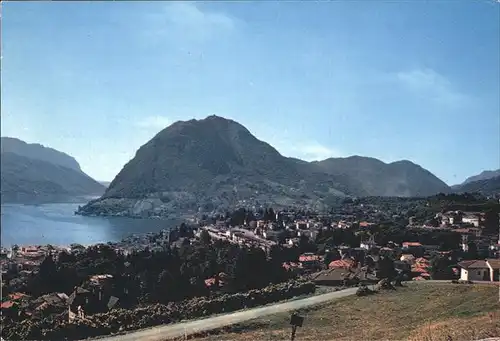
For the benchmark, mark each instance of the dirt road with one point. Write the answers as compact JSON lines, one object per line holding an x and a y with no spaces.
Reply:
{"x":166,"y":332}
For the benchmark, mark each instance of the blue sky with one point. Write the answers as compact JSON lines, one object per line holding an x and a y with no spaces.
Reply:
{"x":388,"y":79}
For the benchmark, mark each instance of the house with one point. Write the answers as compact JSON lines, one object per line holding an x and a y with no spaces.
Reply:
{"x":408,"y":245}
{"x":480,"y":270}
{"x":402,"y":266}
{"x":409,"y":258}
{"x":310,"y":260}
{"x":471,"y":219}
{"x":96,"y":298}
{"x":368,"y":244}
{"x":340,"y":276}
{"x":53,"y":303}
{"x":293,"y":267}
{"x":330,"y":277}
{"x":341,"y":264}
{"x":302,"y":225}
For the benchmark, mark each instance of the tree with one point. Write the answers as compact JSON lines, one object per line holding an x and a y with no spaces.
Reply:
{"x":47,"y":277}
{"x":205,"y":237}
{"x":386,"y":267}
{"x":441,"y":268}
{"x":331,"y":256}
{"x":472,"y":250}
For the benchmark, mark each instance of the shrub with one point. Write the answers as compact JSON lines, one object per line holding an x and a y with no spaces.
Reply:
{"x":155,"y":314}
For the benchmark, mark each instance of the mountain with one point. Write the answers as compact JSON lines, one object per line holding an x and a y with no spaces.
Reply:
{"x":33,"y":179}
{"x":400,"y":178}
{"x":105,"y":183}
{"x":38,"y":152}
{"x":485,"y":175}
{"x":488,"y":186}
{"x":215,"y":162}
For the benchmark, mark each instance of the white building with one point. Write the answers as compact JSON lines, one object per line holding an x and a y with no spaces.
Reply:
{"x":471,"y":220}
{"x":480,"y":270}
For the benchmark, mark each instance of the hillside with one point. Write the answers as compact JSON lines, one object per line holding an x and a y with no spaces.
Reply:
{"x":419,"y":312}
{"x":216,"y":162}
{"x":38,"y":152}
{"x":26,"y":179}
{"x":401,"y":178}
{"x":485,"y":175}
{"x":489,"y":186}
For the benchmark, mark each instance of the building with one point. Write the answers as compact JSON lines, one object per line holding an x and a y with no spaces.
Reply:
{"x":341,"y":264}
{"x":408,"y":258}
{"x":471,"y":219}
{"x":408,"y":245}
{"x":368,"y":244}
{"x":97,"y":298}
{"x":480,"y":270}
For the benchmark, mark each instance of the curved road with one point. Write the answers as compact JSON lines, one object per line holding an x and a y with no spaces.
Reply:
{"x":165,"y":332}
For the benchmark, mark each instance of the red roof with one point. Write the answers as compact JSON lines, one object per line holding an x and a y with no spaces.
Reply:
{"x":473,"y":264}
{"x":494,"y":263}
{"x":343,"y":264}
{"x":309,"y":258}
{"x":419,"y":269}
{"x":422,"y":261}
{"x":461,"y":230}
{"x":209,"y":282}
{"x":411,"y":244}
{"x":365,"y":224}
{"x":6,"y":304}
{"x":16,"y":296}
{"x":289,"y":266}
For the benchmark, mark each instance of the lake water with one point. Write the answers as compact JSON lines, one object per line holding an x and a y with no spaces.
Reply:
{"x":58,"y":225}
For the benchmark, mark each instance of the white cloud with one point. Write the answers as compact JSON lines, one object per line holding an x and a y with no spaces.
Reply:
{"x":313,"y":151}
{"x":154,"y":122}
{"x":433,"y":86}
{"x":186,"y":21}
{"x":287,"y":144}
{"x":187,"y":15}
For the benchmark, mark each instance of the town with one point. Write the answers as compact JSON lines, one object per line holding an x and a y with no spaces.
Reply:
{"x":215,"y":257}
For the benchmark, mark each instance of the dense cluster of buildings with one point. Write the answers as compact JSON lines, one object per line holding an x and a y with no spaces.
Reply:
{"x":26,"y":259}
{"x":334,"y":265}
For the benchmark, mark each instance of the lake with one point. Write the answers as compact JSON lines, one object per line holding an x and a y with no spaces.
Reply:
{"x":58,"y":225}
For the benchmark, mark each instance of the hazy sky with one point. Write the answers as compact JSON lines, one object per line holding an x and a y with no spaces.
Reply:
{"x":389,"y":79}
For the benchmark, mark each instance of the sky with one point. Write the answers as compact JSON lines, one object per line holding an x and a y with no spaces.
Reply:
{"x":415,"y":80}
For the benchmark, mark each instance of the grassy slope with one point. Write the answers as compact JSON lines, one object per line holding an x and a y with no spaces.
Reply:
{"x":420,"y":312}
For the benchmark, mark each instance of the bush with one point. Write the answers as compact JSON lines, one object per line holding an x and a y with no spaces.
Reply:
{"x":363,"y":290}
{"x":155,"y":314}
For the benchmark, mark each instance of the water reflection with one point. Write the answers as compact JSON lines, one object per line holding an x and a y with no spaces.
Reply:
{"x":56,"y":224}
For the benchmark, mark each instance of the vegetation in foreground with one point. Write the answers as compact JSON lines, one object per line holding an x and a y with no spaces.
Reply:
{"x":417,"y":312}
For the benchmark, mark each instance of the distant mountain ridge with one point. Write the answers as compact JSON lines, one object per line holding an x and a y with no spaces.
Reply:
{"x":488,"y":186}
{"x":485,"y":175}
{"x":399,"y":178}
{"x":38,"y":152}
{"x":203,"y":164}
{"x":33,"y":173}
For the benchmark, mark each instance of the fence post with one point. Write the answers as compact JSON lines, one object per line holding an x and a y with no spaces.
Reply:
{"x":294,"y":329}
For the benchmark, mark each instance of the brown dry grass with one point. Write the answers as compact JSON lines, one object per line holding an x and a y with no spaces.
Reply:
{"x":423,"y":312}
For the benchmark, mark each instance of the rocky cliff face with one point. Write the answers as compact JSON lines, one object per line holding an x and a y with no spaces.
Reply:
{"x":204,"y":164}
